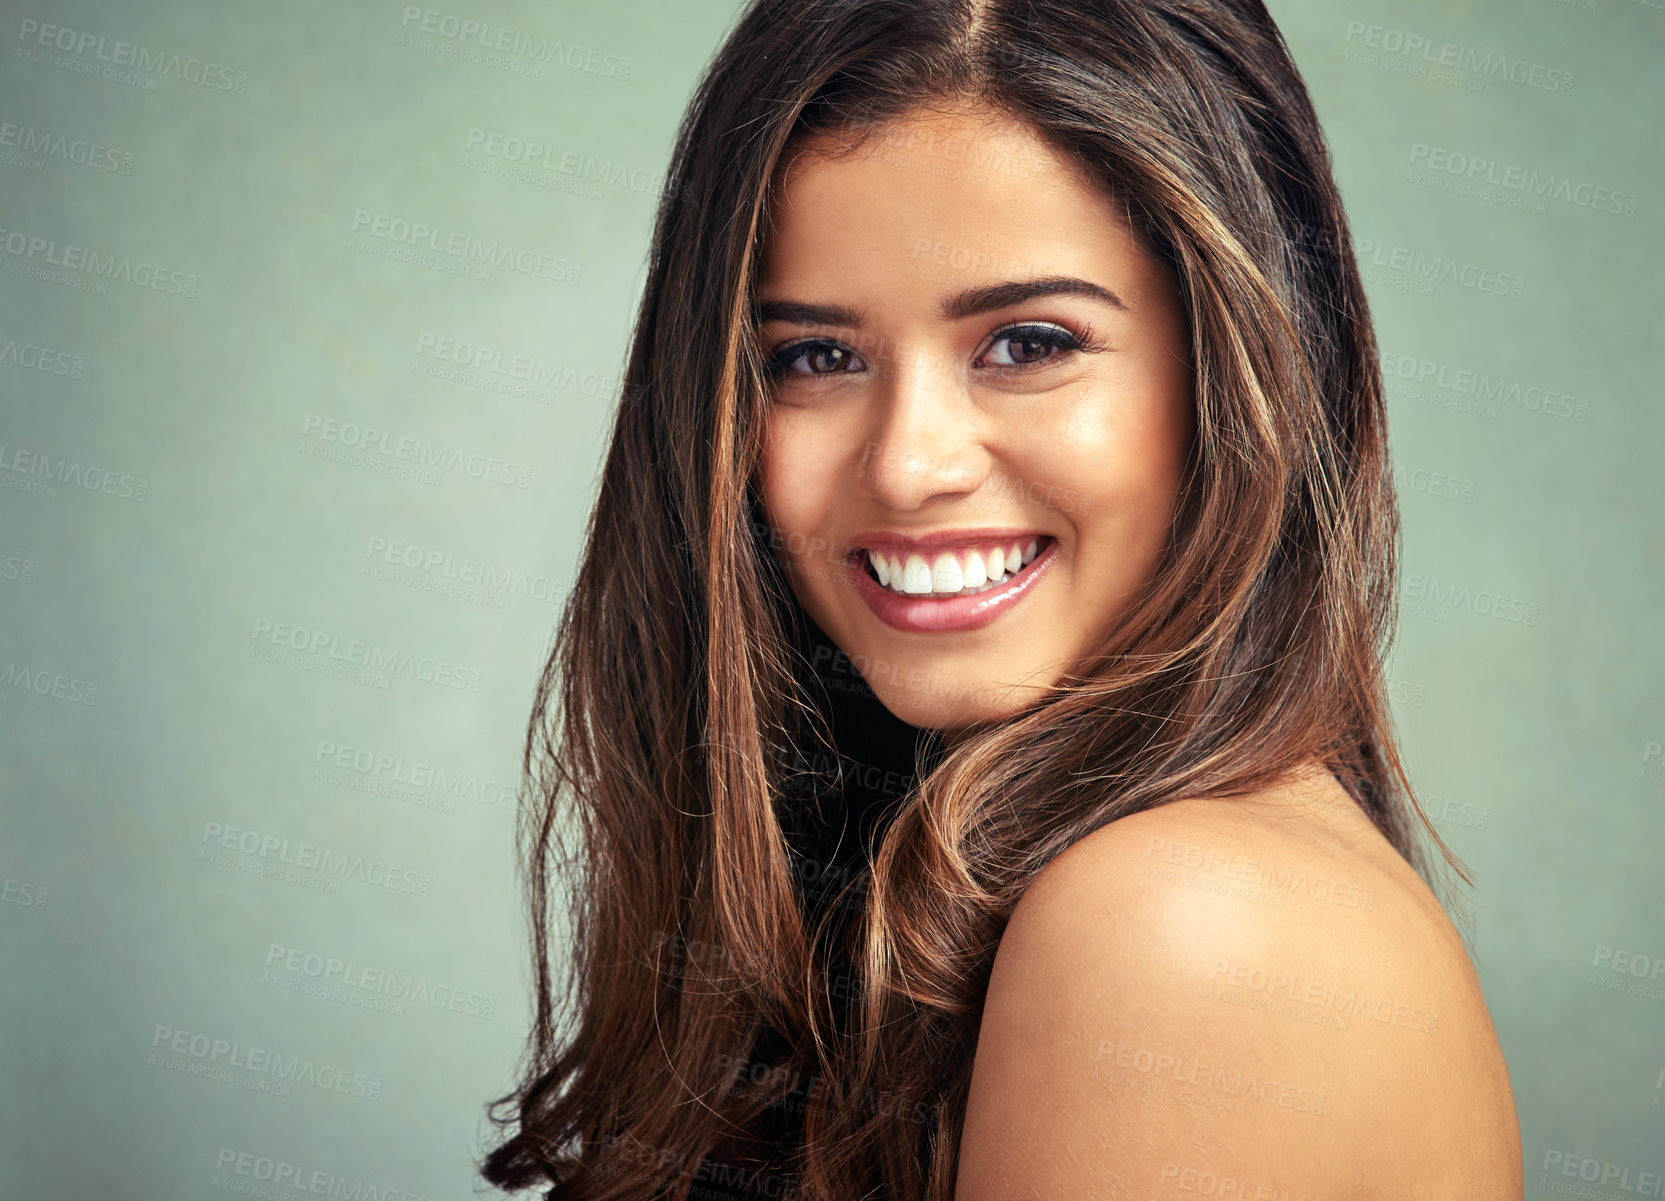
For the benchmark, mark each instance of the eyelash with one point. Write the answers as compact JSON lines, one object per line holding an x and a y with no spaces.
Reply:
{"x":1061,"y":338}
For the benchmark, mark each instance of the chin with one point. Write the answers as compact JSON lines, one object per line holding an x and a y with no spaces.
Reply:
{"x":954,"y":705}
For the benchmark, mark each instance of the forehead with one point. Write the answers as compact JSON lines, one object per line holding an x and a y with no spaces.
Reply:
{"x":966,"y":193}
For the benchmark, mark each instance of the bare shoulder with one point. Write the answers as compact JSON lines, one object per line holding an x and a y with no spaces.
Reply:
{"x":1256,"y":990}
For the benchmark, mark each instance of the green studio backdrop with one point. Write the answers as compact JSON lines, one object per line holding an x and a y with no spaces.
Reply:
{"x":311,"y":318}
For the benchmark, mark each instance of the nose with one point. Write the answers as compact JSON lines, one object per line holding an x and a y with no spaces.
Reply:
{"x":926,"y":440}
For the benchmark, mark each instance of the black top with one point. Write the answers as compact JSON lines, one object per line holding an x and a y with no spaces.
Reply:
{"x":833,"y":815}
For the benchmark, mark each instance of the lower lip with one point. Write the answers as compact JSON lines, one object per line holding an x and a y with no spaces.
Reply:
{"x":923,"y":615}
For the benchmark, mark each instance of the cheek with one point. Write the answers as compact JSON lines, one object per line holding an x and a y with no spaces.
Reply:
{"x":797,"y":482}
{"x":1111,"y":461}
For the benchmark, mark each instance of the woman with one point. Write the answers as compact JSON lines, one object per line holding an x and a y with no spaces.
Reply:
{"x":970,"y":757}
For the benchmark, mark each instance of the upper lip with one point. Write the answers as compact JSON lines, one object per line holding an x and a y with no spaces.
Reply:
{"x":898,"y":543}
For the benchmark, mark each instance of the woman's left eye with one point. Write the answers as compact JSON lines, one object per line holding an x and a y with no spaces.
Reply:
{"x":1026,"y":345}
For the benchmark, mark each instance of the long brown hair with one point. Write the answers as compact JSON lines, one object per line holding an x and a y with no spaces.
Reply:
{"x":652,"y":765}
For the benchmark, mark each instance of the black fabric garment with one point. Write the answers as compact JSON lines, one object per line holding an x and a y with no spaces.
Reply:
{"x":832,"y":812}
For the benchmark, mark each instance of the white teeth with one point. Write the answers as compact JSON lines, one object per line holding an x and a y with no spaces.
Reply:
{"x":949,"y":573}
{"x":916,"y":577}
{"x":946,"y":575}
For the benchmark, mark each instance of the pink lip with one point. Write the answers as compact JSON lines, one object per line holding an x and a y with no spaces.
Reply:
{"x":926,"y":616}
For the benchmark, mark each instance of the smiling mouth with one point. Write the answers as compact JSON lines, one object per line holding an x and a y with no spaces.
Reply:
{"x":949,"y":574}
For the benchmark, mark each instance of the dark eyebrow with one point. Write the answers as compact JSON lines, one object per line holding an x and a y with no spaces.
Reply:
{"x":797,"y":313}
{"x":1000,"y":296}
{"x":962,"y":304}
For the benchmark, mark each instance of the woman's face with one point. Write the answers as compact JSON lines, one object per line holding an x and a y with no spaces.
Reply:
{"x":980,"y":415}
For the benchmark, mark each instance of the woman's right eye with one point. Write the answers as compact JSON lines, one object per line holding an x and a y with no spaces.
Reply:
{"x":813,"y":356}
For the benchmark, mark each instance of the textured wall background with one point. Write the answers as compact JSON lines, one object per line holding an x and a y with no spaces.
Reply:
{"x":293,"y":482}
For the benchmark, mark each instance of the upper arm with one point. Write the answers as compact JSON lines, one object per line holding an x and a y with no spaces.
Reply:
{"x":1154,"y":1029}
